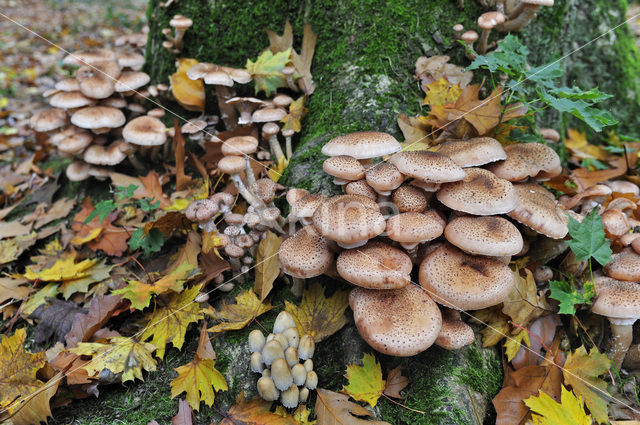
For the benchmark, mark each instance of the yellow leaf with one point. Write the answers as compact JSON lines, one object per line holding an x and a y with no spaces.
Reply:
{"x":523,"y":303}
{"x":276,"y":172}
{"x":335,"y":408}
{"x":440,"y":92}
{"x":11,"y":249}
{"x":581,"y":371}
{"x":39,"y":298}
{"x":237,"y":316}
{"x":579,"y":147}
{"x":93,"y":234}
{"x":211,"y":241}
{"x":169,"y":321}
{"x":189,"y":93}
{"x":62,"y":270}
{"x":497,"y":325}
{"x":97,"y":273}
{"x":512,"y":345}
{"x":297,"y":110}
{"x":267,"y":265}
{"x":569,"y":411}
{"x":34,"y":408}
{"x":200,"y":380}
{"x":3,"y":102}
{"x":301,"y":414}
{"x":119,"y":354}
{"x":266,"y":71}
{"x":178,"y":204}
{"x":415,"y":131}
{"x":318,"y":316}
{"x":365,"y":382}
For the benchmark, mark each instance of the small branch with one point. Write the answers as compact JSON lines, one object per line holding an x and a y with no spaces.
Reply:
{"x":402,"y":405}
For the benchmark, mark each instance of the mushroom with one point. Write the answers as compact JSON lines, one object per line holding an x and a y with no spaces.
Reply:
{"x":267,"y":389}
{"x":281,"y":374}
{"x":413,"y":228}
{"x":487,"y":21}
{"x":550,"y":135}
{"x":48,"y":120}
{"x":537,"y":209}
{"x":524,"y":13}
{"x":624,"y":265}
{"x":375,"y":266}
{"x":234,"y":165}
{"x":458,"y":28}
{"x":384,"y":177}
{"x":270,"y":132}
{"x":454,"y":334}
{"x":527,"y":160}
{"x":343,"y":168}
{"x":180,"y":24}
{"x":97,"y":81}
{"x":428,"y":166}
{"x":408,"y":198}
{"x":99,"y":119}
{"x":130,"y":81}
{"x":469,"y":37}
{"x":256,"y":341}
{"x":360,"y":187}
{"x":245,"y":107}
{"x":302,"y":209}
{"x":306,"y":347}
{"x":290,"y":397}
{"x":70,"y":100}
{"x":362,"y":145}
{"x":242,"y":145}
{"x":203,"y":211}
{"x":491,"y":236}
{"x":473,"y":152}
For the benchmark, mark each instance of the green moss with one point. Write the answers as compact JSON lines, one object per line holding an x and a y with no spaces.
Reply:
{"x":483,"y":374}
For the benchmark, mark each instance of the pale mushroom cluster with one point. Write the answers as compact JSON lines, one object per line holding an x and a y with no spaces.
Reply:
{"x":457,"y":213}
{"x":284,"y":358}
{"x":97,"y":116}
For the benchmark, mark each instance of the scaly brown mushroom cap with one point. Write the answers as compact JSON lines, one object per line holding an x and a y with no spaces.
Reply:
{"x":232,"y":164}
{"x":75,"y":142}
{"x":343,"y":167}
{"x":493,"y":236}
{"x":408,"y":198}
{"x":361,"y":187}
{"x":97,"y":81}
{"x":480,"y":193}
{"x":538,"y":210}
{"x":202,"y":210}
{"x":375,"y":266}
{"x":384,"y":177}
{"x":362,"y":145}
{"x":473,"y":152}
{"x":101,"y":155}
{"x":96,"y":117}
{"x":145,"y":131}
{"x":266,"y":189}
{"x":411,"y":228}
{"x":527,"y":160}
{"x":617,"y":299}
{"x":305,"y":254}
{"x":399,"y":322}
{"x":463,"y":282}
{"x":454,"y":334}
{"x":427,"y":166}
{"x":91,"y":56}
{"x":349,"y":220}
{"x":307,"y":205}
{"x":48,"y":120}
{"x":625,"y":265}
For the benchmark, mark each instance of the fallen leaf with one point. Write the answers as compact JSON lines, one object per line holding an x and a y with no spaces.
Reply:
{"x":10,"y":229}
{"x":101,"y":309}
{"x":512,"y":344}
{"x":302,"y":61}
{"x":66,"y":269}
{"x":365,"y":382}
{"x":153,"y":190}
{"x":396,"y":382}
{"x":276,"y":171}
{"x":34,"y":408}
{"x":584,"y":178}
{"x":56,"y":319}
{"x":524,"y":304}
{"x":72,"y":366}
{"x":182,"y":180}
{"x":12,"y":248}
{"x":96,"y":273}
{"x":200,"y":380}
{"x":112,"y":239}
{"x":576,"y":142}
{"x":237,"y":316}
{"x":211,"y":266}
{"x":582,"y":371}
{"x":255,"y":412}
{"x":39,"y":298}
{"x":267,"y":265}
{"x":415,"y":131}
{"x":266,"y":71}
{"x":297,"y":110}
{"x":496,"y":325}
{"x":318,"y":316}
{"x":12,"y":288}
{"x":172,"y":221}
{"x":60,"y":209}
{"x":440,"y":92}
{"x":569,"y":411}
{"x":335,"y":408}
{"x":189,"y":93}
{"x":183,"y":417}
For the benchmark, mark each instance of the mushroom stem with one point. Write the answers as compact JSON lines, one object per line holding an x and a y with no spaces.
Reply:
{"x":298,"y":286}
{"x":288,"y":147}
{"x":275,"y":148}
{"x":632,"y":359}
{"x":482,"y":43}
{"x":517,"y":10}
{"x":244,"y":192}
{"x":251,"y":178}
{"x":622,"y":335}
{"x":178,"y":38}
{"x":520,"y":21}
{"x":227,"y":112}
{"x":291,"y":83}
{"x":135,"y":162}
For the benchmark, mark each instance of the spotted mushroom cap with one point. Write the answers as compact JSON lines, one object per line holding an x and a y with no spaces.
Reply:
{"x":493,"y":236}
{"x":376,"y":265}
{"x":415,"y":227}
{"x":480,"y":193}
{"x":397,"y":322}
{"x":408,"y":198}
{"x":201,"y":210}
{"x":473,"y":152}
{"x":617,"y":299}
{"x":96,"y":117}
{"x":362,"y":145}
{"x":97,"y":81}
{"x":343,"y":167}
{"x":295,"y":194}
{"x":527,"y":160}
{"x":538,"y":210}
{"x":464,"y":282}
{"x":625,"y":265}
{"x":361,"y":187}
{"x":305,"y":254}
{"x":384,"y":177}
{"x":48,"y":120}
{"x":307,"y":205}
{"x":145,"y":131}
{"x":454,"y":334}
{"x":427,"y":166}
{"x":349,"y":220}
{"x":266,"y":189}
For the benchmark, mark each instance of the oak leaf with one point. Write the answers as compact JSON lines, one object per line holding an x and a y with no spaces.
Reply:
{"x":335,"y":408}
{"x":440,"y":92}
{"x":570,"y":410}
{"x":318,"y":316}
{"x":189,"y":93}
{"x":396,"y":382}
{"x":582,"y":371}
{"x":170,"y":320}
{"x":118,"y":354}
{"x":237,"y":316}
{"x":267,"y":265}
{"x":365,"y":382}
{"x":256,"y":412}
{"x":524,"y":304}
{"x":297,"y":110}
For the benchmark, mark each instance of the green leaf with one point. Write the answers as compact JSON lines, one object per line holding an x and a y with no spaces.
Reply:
{"x":588,"y":239}
{"x":102,"y":210}
{"x":124,"y":192}
{"x":150,"y":242}
{"x":596,"y":118}
{"x":365,"y":382}
{"x":510,"y":57}
{"x":569,"y":296}
{"x":594,"y":164}
{"x":146,"y":205}
{"x":266,"y":71}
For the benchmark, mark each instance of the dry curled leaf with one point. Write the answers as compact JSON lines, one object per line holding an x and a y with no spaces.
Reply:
{"x":237,"y":316}
{"x":183,"y":417}
{"x":524,"y":304}
{"x":255,"y":412}
{"x":396,"y":382}
{"x":267,"y":265}
{"x":189,"y":93}
{"x":335,"y":408}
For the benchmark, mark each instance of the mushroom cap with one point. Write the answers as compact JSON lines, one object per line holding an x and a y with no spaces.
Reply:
{"x":268,"y":115}
{"x":97,"y":81}
{"x":78,"y":171}
{"x":362,"y":145}
{"x":473,"y":152}
{"x":69,"y":84}
{"x":349,"y":219}
{"x":114,"y":101}
{"x":360,"y":187}
{"x":539,"y":2}
{"x":384,"y":177}
{"x":408,"y":198}
{"x":623,"y":186}
{"x":527,"y":160}
{"x":617,"y":299}
{"x":492,"y":236}
{"x":75,"y":142}
{"x":490,"y":20}
{"x":538,"y":210}
{"x":240,"y":145}
{"x":238,"y":75}
{"x":625,"y":265}
{"x":295,"y":194}
{"x":202,"y":210}
{"x":90,"y":56}
{"x":145,"y":131}
{"x":428,"y":166}
{"x":266,"y":189}
{"x":550,"y":134}
{"x":131,"y":80}
{"x":131,"y":60}
{"x":480,"y":193}
{"x":282,"y":100}
{"x":307,"y":205}
{"x":469,"y":36}
{"x":454,"y":334}
{"x":193,"y":126}
{"x":48,"y":120}
{"x":69,"y":100}
{"x":232,"y":164}
{"x":465,"y":282}
{"x":179,"y":21}
{"x":199,"y":70}
{"x":415,"y":227}
{"x":397,"y":322}
{"x":344,"y":167}
{"x":614,"y":221}
{"x":376,"y":265}
{"x":100,"y":155}
{"x":94,"y":117}
{"x":218,"y":78}
{"x":305,"y":254}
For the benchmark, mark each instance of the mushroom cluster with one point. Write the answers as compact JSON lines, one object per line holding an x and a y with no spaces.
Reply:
{"x":284,"y":360}
{"x":458,"y":213}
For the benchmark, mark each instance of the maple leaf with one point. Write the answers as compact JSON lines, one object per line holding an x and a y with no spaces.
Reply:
{"x":578,"y":145}
{"x":11,"y":249}
{"x":276,"y":171}
{"x":569,"y":296}
{"x":297,"y":110}
{"x":266,"y":71}
{"x":524,"y":304}
{"x":255,"y":411}
{"x":497,"y":325}
{"x":101,"y":309}
{"x":280,"y":43}
{"x":318,"y":316}
{"x":440,"y":92}
{"x":588,"y":239}
{"x":34,"y":408}
{"x":66,"y":269}
{"x":152,"y":189}
{"x":267,"y":265}
{"x":237,"y":316}
{"x":569,"y":411}
{"x":39,"y":298}
{"x":365,"y":382}
{"x":12,"y":288}
{"x":170,"y":320}
{"x":581,"y":371}
{"x":396,"y":382}
{"x":96,"y":273}
{"x":200,"y":380}
{"x":118,"y":354}
{"x":189,"y":93}
{"x":512,"y":345}
{"x":335,"y":408}
{"x":18,"y":368}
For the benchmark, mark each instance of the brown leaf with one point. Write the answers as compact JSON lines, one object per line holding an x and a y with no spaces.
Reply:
{"x":267,"y":265}
{"x":585,"y":178}
{"x":111,"y":239}
{"x":10,"y":229}
{"x":171,"y":222}
{"x":56,"y":319}
{"x":85,"y":325}
{"x":182,"y":180}
{"x":12,"y":288}
{"x":335,"y":408}
{"x":72,"y":366}
{"x":280,"y":43}
{"x":61,"y":208}
{"x":153,"y":189}
{"x":211,"y":266}
{"x":542,"y":331}
{"x":256,"y":412}
{"x":396,"y":383}
{"x":205,"y":349}
{"x":183,"y":417}
{"x":524,"y":304}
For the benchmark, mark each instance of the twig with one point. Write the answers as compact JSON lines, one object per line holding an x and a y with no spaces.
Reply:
{"x":402,"y":405}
